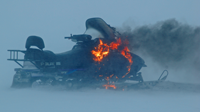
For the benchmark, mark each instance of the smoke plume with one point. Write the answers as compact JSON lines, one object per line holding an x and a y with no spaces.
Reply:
{"x":169,"y":43}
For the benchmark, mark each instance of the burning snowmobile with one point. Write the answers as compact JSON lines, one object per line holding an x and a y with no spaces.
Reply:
{"x":99,"y":57}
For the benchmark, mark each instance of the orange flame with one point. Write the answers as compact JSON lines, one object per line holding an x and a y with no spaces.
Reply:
{"x":111,"y":75}
{"x":111,"y":86}
{"x":126,"y":54}
{"x":102,"y":50}
{"x":114,"y":45}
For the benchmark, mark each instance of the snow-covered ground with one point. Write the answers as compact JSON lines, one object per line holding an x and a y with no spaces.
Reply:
{"x":53,"y":20}
{"x":51,"y":100}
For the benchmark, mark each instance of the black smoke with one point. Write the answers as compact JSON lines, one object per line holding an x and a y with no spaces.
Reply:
{"x":169,"y":43}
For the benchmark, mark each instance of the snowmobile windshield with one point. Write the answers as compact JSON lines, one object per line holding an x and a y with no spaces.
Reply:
{"x":94,"y":33}
{"x":98,"y":28}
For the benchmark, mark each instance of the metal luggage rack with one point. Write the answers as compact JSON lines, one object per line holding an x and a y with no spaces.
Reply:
{"x":14,"y":57}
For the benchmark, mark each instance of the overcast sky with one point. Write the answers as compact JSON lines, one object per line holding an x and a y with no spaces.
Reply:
{"x":53,"y":20}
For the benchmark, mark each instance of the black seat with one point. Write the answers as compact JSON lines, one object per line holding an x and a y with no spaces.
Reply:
{"x":34,"y":41}
{"x":49,"y":55}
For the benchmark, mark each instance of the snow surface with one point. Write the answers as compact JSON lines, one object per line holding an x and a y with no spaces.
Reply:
{"x":51,"y":100}
{"x":53,"y":20}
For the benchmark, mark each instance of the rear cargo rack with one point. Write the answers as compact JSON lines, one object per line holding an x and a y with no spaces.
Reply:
{"x":14,"y":57}
{"x":14,"y":54}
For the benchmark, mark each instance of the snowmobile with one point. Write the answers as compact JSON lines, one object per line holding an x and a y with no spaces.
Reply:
{"x":80,"y":66}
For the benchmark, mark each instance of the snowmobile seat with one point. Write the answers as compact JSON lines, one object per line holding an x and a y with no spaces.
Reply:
{"x":49,"y":55}
{"x":37,"y":54}
{"x":33,"y":54}
{"x":34,"y":41}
